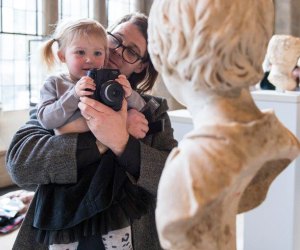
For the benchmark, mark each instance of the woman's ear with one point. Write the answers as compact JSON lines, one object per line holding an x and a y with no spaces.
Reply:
{"x":140,"y":67}
{"x":61,"y":56}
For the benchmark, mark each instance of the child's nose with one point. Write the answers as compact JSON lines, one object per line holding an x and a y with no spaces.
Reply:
{"x":88,"y":59}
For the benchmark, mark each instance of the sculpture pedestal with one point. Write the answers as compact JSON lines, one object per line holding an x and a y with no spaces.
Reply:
{"x":275,"y":224}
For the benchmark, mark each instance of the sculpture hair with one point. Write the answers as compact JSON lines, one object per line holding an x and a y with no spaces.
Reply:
{"x":217,"y":43}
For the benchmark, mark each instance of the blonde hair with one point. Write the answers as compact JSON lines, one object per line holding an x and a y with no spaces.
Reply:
{"x":212,"y":43}
{"x":68,"y":29}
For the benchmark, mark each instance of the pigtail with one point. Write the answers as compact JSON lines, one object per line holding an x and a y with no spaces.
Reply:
{"x":47,"y":55}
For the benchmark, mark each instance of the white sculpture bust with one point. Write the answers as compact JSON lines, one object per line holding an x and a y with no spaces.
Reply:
{"x":283,"y":54}
{"x":208,"y":58}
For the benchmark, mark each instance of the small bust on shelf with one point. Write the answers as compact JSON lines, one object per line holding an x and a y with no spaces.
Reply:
{"x":283,"y":55}
{"x":208,"y":59}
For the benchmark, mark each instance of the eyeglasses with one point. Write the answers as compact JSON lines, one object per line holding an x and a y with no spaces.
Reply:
{"x":128,"y":54}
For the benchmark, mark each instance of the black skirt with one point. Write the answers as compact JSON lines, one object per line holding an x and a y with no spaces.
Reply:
{"x":103,"y":199}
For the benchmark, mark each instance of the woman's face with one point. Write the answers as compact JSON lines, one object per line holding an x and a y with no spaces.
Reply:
{"x":133,"y":39}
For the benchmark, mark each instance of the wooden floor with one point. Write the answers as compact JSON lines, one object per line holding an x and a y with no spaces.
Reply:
{"x":7,"y":240}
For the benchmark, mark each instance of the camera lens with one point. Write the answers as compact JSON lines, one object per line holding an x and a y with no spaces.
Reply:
{"x":112,"y":94}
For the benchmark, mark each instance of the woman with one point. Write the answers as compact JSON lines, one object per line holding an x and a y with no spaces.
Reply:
{"x":36,"y":157}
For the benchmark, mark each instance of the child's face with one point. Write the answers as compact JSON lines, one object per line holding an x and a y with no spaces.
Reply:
{"x":82,"y":55}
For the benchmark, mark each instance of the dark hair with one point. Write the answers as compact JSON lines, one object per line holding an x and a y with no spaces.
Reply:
{"x":143,"y":81}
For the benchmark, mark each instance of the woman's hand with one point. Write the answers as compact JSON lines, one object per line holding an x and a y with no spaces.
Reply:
{"x":137,"y":124}
{"x":108,"y":126}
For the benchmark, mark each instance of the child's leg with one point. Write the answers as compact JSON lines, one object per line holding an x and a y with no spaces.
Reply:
{"x":70,"y":246}
{"x":118,"y":239}
{"x":77,"y":126}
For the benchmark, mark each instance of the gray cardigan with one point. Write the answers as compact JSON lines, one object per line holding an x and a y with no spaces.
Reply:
{"x":36,"y":157}
{"x":59,"y":102}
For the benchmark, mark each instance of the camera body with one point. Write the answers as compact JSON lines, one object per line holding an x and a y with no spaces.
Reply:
{"x":108,"y":91}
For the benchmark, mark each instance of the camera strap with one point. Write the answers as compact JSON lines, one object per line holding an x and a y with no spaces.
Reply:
{"x":155,"y":127}
{"x":148,"y":110}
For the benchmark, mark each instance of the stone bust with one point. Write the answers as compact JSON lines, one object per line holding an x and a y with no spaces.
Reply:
{"x":208,"y":58}
{"x":283,"y":54}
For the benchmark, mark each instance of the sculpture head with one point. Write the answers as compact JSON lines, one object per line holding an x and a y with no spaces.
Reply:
{"x":209,"y":45}
{"x":283,"y":55}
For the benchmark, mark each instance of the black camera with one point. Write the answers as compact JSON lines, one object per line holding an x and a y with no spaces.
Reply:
{"x":108,"y":91}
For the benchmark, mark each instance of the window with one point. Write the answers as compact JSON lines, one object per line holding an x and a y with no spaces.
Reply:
{"x":18,"y":24}
{"x":74,"y":8}
{"x":117,"y":8}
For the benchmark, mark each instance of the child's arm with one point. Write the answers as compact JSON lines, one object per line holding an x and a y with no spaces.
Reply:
{"x":134,"y":100}
{"x":59,"y":100}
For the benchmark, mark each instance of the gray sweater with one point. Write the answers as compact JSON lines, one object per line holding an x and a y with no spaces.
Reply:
{"x":59,"y":102}
{"x":37,"y":157}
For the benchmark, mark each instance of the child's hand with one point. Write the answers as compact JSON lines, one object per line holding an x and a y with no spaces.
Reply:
{"x":125,"y":84}
{"x":85,"y":86}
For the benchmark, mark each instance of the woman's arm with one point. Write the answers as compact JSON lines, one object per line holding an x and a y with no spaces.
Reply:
{"x":154,"y":156}
{"x":36,"y":156}
{"x":143,"y":159}
{"x":152,"y":152}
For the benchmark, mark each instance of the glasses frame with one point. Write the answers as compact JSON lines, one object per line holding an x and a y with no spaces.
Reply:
{"x":123,"y":49}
